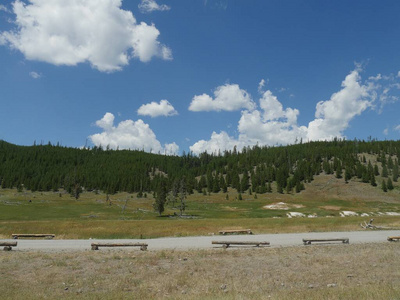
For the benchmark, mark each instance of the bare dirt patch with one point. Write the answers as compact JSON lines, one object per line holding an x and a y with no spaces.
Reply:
{"x":331,"y":207}
{"x":326,"y":187}
{"x":282,"y":206}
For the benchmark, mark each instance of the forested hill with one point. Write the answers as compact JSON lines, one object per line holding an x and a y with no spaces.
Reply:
{"x":49,"y":167}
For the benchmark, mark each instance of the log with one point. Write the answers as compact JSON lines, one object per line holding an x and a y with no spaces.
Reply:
{"x":309,"y":241}
{"x":33,"y":235}
{"x":143,"y":246}
{"x":8,"y":245}
{"x":233,"y":231}
{"x":226,"y":244}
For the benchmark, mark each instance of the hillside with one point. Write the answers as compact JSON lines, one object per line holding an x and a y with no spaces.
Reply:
{"x":256,"y":169}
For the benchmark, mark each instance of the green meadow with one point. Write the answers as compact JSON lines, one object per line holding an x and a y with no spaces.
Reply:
{"x":124,"y":215}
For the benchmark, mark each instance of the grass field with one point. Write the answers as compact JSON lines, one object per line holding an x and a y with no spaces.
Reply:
{"x":363,"y":271}
{"x":127,"y":216}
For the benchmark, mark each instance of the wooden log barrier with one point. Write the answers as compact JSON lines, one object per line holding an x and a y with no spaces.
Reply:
{"x":143,"y":246}
{"x":8,"y":245}
{"x":393,"y":238}
{"x":235,"y":231}
{"x":15,"y":236}
{"x":226,"y":244}
{"x":309,"y":241}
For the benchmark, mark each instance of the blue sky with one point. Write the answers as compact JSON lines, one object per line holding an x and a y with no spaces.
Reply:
{"x":169,"y":76}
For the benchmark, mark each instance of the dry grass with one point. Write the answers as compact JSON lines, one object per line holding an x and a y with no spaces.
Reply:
{"x":368,"y":271}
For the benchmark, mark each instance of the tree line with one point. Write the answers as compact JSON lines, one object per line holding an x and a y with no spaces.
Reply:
{"x":254,"y":169}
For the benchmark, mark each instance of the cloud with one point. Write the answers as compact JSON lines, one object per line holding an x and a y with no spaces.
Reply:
{"x":386,"y":131}
{"x":3,"y":8}
{"x":76,"y":31}
{"x":333,"y":116}
{"x":397,"y":128}
{"x":273,"y":124}
{"x":153,"y":109}
{"x":261,"y":86}
{"x":218,"y":142}
{"x":148,"y":6}
{"x":227,"y":97}
{"x":129,"y":134}
{"x":35,"y":75}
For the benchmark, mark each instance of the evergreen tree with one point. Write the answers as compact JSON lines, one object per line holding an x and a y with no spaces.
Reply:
{"x":365,"y":176}
{"x":216,"y":188}
{"x":372,"y":179}
{"x":298,"y":187}
{"x":390,"y":163}
{"x":244,"y":182}
{"x":279,"y":188}
{"x":384,"y":171}
{"x":269,"y":187}
{"x":347,"y":174}
{"x":384,"y":187}
{"x":395,"y":172}
{"x":389,"y":184}
{"x":161,"y":198}
{"x":182,"y":195}
{"x":339,"y":171}
{"x":376,"y":170}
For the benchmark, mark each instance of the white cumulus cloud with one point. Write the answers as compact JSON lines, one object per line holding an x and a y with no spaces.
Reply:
{"x":3,"y":8}
{"x":154,"y":109}
{"x":218,"y":142}
{"x":386,"y":131}
{"x":35,"y":75}
{"x":229,"y":97}
{"x":76,"y":31}
{"x":273,"y":124}
{"x":147,"y":6}
{"x":129,"y":134}
{"x":261,"y":86}
{"x":333,"y":116}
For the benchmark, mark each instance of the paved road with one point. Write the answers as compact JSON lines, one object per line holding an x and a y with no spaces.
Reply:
{"x":204,"y":242}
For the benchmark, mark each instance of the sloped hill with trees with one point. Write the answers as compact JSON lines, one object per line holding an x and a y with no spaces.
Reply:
{"x":52,"y":167}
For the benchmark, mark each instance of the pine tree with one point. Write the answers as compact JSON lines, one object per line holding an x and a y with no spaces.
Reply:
{"x":372,"y":179}
{"x":182,"y":195}
{"x":390,"y":163}
{"x":395,"y":172}
{"x":384,"y":171}
{"x":384,"y":187}
{"x":365,"y":176}
{"x":389,"y":184}
{"x":347,"y":174}
{"x":161,"y":198}
{"x":339,"y":171}
{"x":269,"y":187}
{"x":376,"y":170}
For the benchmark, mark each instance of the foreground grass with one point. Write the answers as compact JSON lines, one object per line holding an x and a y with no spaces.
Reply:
{"x":367,"y":271}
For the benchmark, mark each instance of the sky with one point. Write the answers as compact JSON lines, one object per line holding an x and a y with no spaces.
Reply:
{"x":173,"y":76}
